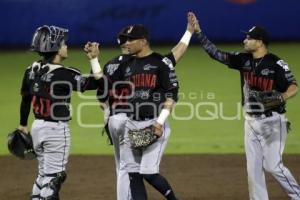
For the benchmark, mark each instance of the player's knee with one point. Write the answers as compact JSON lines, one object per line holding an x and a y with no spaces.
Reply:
{"x":35,"y":197}
{"x":271,"y":168}
{"x":53,"y":186}
{"x":150,"y":177}
{"x":135,"y":179}
{"x":36,"y":189}
{"x":52,"y":197}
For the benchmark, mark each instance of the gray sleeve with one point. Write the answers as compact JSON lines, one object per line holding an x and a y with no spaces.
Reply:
{"x":212,"y":50}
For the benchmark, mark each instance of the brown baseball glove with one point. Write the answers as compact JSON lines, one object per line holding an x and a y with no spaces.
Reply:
{"x":142,"y":138}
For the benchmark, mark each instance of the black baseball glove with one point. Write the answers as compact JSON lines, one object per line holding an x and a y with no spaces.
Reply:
{"x":20,"y":145}
{"x":268,"y":99}
{"x":142,"y":138}
{"x":105,"y":130}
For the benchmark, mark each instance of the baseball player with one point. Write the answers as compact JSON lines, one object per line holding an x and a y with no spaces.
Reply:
{"x":48,"y":85}
{"x":152,"y":95}
{"x":115,"y":111}
{"x":269,"y":76}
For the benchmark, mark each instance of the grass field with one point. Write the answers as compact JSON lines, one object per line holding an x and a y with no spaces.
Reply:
{"x":209,"y":92}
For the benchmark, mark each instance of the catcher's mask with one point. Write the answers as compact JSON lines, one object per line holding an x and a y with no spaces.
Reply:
{"x":48,"y":39}
{"x":20,"y":145}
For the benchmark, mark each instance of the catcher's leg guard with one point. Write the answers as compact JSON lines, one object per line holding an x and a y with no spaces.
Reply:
{"x":36,"y":189}
{"x":51,"y":185}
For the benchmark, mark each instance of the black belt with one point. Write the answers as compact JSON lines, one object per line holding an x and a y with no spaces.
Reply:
{"x":265,"y":114}
{"x":142,"y":118}
{"x":52,"y":120}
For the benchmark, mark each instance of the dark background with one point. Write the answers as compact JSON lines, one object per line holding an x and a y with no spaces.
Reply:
{"x":101,"y":20}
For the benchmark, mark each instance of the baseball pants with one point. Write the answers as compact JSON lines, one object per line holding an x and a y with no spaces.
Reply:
{"x":51,"y":141}
{"x":116,"y":125}
{"x":144,"y":161}
{"x":265,"y":139}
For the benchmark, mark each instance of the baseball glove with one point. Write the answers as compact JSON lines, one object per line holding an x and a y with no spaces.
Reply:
{"x":106,"y":131}
{"x":269,"y":99}
{"x":142,"y":138}
{"x":20,"y":145}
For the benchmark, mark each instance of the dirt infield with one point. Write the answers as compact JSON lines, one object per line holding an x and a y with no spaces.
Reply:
{"x":205,"y":177}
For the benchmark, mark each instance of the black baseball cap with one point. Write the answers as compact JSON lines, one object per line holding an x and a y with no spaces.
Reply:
{"x":137,"y":31}
{"x":121,"y":36}
{"x":258,"y":33}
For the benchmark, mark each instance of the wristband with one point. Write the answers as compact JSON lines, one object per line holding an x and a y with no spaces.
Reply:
{"x":163,"y":116}
{"x":95,"y":65}
{"x":186,"y":38}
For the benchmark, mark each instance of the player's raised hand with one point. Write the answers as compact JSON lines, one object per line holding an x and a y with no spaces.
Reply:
{"x":92,"y":49}
{"x":195,"y":22}
{"x":190,"y":23}
{"x":86,"y":47}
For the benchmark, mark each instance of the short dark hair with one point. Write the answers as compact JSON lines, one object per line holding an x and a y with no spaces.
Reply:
{"x":47,"y":57}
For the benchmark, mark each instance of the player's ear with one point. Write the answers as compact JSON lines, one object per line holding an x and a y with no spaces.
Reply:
{"x":145,"y":42}
{"x":260,"y":43}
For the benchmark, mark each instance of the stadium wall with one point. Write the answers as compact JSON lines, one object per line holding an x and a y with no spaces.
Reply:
{"x":101,"y":20}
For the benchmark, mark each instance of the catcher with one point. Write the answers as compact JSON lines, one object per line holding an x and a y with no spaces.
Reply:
{"x":47,"y":86}
{"x":267,"y":83}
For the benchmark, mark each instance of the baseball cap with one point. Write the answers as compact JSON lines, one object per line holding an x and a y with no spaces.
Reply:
{"x":137,"y":31}
{"x":121,"y":36}
{"x":258,"y":33}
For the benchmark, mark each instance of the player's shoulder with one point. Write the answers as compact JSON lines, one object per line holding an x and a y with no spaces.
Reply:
{"x":35,"y":64}
{"x":124,"y":57}
{"x":156,"y":57}
{"x":272,"y":57}
{"x":63,"y":72}
{"x":278,"y":62}
{"x":116,"y":63}
{"x":242,"y":55}
{"x":69,"y":69}
{"x":165,"y":61}
{"x":119,"y":59}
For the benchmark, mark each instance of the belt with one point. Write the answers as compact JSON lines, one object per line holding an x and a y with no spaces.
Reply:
{"x":52,"y":120}
{"x":261,"y":115}
{"x":142,"y":118}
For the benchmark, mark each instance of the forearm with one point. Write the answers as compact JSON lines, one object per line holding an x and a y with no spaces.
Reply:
{"x":165,"y":112}
{"x":25,"y":110}
{"x":181,"y":47}
{"x":290,"y":92}
{"x":96,"y":68}
{"x":92,"y":51}
{"x":90,"y":83}
{"x":212,"y":50}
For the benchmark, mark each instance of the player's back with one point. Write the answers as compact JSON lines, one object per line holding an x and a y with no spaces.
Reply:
{"x":51,"y":87}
